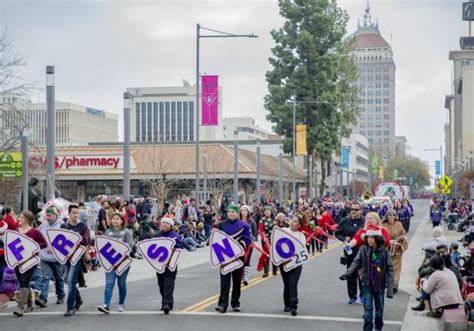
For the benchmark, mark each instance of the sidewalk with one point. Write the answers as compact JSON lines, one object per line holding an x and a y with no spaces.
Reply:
{"x":411,"y":261}
{"x":140,"y":270}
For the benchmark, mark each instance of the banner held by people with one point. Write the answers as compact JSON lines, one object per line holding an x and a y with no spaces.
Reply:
{"x":160,"y":253}
{"x":114,"y":255}
{"x":287,"y":250}
{"x":225,"y":252}
{"x":20,"y":251}
{"x":65,"y":245}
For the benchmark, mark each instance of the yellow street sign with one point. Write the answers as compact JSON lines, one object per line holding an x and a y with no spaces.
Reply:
{"x":436,"y":189}
{"x":446,"y":181}
{"x":446,"y":191}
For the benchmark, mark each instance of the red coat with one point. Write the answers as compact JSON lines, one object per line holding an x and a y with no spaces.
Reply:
{"x":12,"y":223}
{"x":359,"y":241}
{"x":327,"y":222}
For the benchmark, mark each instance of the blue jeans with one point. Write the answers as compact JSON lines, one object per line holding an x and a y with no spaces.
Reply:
{"x":110,"y":278}
{"x":190,"y":244}
{"x":73,"y":296}
{"x":207,"y":229}
{"x":371,"y":299}
{"x":50,"y":269}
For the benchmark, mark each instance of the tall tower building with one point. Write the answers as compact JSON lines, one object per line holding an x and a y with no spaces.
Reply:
{"x":376,"y":82}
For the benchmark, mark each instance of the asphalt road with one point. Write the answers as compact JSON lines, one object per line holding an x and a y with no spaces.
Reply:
{"x":323,"y":302}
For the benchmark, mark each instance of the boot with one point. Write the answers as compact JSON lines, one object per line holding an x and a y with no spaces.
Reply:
{"x":22,"y":299}
{"x":29,"y":303}
{"x":420,"y":307}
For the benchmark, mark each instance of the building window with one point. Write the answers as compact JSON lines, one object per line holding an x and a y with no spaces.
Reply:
{"x":173,"y":121}
{"x":378,"y":85}
{"x":162,"y":121}
{"x":386,"y":101}
{"x":386,"y":93}
{"x":386,"y":85}
{"x":386,"y":132}
{"x":180,"y":121}
{"x":370,"y":77}
{"x":386,"y":117}
{"x":137,"y":121}
{"x":378,"y":77}
{"x":385,"y":77}
{"x":167,"y":122}
{"x":378,"y":109}
{"x":378,"y":93}
{"x":386,"y":140}
{"x":149,"y":121}
{"x":155,"y":121}
{"x":370,"y":101}
{"x":143,"y":123}
{"x":185,"y":121}
{"x":386,"y":69}
{"x":378,"y":101}
{"x":370,"y":133}
{"x":378,"y":133}
{"x":191,"y":120}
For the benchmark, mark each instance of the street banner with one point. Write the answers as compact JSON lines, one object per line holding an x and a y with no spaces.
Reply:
{"x":287,"y":250}
{"x":301,"y":140}
{"x":210,"y":100}
{"x":20,"y":251}
{"x":65,"y":245}
{"x":225,"y":252}
{"x":381,"y":172}
{"x":114,"y":255}
{"x":345,"y":157}
{"x":437,"y":168}
{"x":10,"y":165}
{"x":160,"y":253}
{"x":375,"y":164}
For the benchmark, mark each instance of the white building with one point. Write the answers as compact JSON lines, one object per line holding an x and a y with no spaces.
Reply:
{"x":75,"y":124}
{"x":167,"y":114}
{"x":246,"y":128}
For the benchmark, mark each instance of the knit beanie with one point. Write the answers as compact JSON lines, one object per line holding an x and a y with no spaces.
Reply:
{"x":234,"y":208}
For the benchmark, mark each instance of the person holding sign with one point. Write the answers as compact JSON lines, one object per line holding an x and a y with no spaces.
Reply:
{"x":240,"y":231}
{"x":166,"y":280}
{"x":74,"y":300}
{"x":246,"y":216}
{"x":117,"y":231}
{"x":50,"y":266}
{"x":291,"y":278}
{"x":26,"y":228}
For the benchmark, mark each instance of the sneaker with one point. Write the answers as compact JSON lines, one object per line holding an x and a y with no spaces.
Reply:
{"x":361,"y":298}
{"x":83,"y":285}
{"x":265,"y":275}
{"x":236,"y":309}
{"x":120,"y":308}
{"x":246,"y":283}
{"x":103,"y":309}
{"x":166,"y":309}
{"x":420,"y":307}
{"x":36,"y":295}
{"x":395,"y":290}
{"x":275,"y":272}
{"x":220,"y":309}
{"x":352,"y":301}
{"x":41,"y":303}
{"x":293,"y":312}
{"x":69,"y":313}
{"x":60,"y":301}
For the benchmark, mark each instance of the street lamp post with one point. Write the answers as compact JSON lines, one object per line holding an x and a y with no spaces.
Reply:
{"x":127,"y":98}
{"x":236,"y":167}
{"x":258,"y":171}
{"x":24,"y":167}
{"x":51,"y":136}
{"x":440,"y":149}
{"x":217,"y":34}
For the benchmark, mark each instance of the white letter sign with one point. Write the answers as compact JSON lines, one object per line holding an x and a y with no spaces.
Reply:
{"x":160,"y":253}
{"x":114,"y":255}
{"x":66,"y":245}
{"x":287,"y":249}
{"x":20,"y":251}
{"x":225,"y":252}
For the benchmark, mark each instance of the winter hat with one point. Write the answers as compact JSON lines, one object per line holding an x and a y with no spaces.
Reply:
{"x":245,"y":207}
{"x":373,"y":231}
{"x":268,"y":208}
{"x":52,"y":211}
{"x":167,"y":220}
{"x":234,"y":208}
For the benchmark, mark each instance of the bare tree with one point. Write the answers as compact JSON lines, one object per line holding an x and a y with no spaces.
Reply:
{"x":218,"y":181}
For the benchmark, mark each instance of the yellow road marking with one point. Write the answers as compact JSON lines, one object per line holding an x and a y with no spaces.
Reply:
{"x":201,"y":305}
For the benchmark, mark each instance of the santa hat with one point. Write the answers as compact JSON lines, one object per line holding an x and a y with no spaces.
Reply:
{"x":167,"y":220}
{"x":373,"y":231}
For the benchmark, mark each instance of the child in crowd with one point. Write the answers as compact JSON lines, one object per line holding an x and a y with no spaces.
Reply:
{"x":377,"y":276}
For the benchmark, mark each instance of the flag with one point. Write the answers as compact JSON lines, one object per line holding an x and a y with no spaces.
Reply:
{"x":301,"y":139}
{"x":375,"y":164}
{"x":345,"y":157}
{"x":210,"y":100}
{"x":395,"y":174}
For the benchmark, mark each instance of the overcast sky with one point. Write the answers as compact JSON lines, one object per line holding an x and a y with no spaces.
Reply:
{"x":100,"y":48}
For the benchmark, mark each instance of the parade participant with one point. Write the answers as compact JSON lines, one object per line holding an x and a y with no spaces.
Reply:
{"x":291,"y":278}
{"x":116,"y":231}
{"x":328,"y":224}
{"x":377,"y":275}
{"x":267,"y":223}
{"x":166,"y":280}
{"x":50,"y":266}
{"x":398,"y":244}
{"x":9,"y":218}
{"x":74,"y":300}
{"x":280,"y":220}
{"x":246,"y":216}
{"x":307,"y":230}
{"x":405,"y":214}
{"x":436,"y":214}
{"x":26,"y":223}
{"x":240,"y":231}
{"x":372,"y":221}
{"x":345,"y":232}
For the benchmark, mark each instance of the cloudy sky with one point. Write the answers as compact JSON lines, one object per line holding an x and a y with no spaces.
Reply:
{"x":100,"y":48}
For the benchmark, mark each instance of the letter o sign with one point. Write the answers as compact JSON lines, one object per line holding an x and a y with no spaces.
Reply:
{"x":285,"y":248}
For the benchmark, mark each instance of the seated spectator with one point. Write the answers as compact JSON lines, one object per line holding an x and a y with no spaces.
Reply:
{"x":188,"y":240}
{"x":438,"y":240}
{"x":442,"y":288}
{"x":146,"y":229}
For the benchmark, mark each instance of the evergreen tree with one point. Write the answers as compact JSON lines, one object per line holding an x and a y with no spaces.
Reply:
{"x":312,"y":61}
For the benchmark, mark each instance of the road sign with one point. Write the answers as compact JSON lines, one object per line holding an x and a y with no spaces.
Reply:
{"x":468,"y":11}
{"x":10,"y":165}
{"x":446,"y":191}
{"x":436,"y":189}
{"x":446,"y":181}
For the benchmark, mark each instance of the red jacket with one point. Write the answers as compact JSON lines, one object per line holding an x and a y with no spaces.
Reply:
{"x":359,"y":241}
{"x":12,"y":223}
{"x":327,"y":222}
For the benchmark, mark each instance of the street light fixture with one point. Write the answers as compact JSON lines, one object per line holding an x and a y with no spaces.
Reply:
{"x":295,"y":103}
{"x":217,"y":34}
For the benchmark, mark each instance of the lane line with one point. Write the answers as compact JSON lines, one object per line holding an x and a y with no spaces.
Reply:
{"x":200,"y":306}
{"x":211,"y":314}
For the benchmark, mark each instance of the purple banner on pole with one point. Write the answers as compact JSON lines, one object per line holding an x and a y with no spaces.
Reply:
{"x":210,"y":100}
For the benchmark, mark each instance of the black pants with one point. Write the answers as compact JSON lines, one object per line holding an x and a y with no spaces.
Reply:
{"x":25,"y":278}
{"x":166,"y":283}
{"x":290,"y":286}
{"x":406,"y":225}
{"x":353,"y":280}
{"x":236,"y":277}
